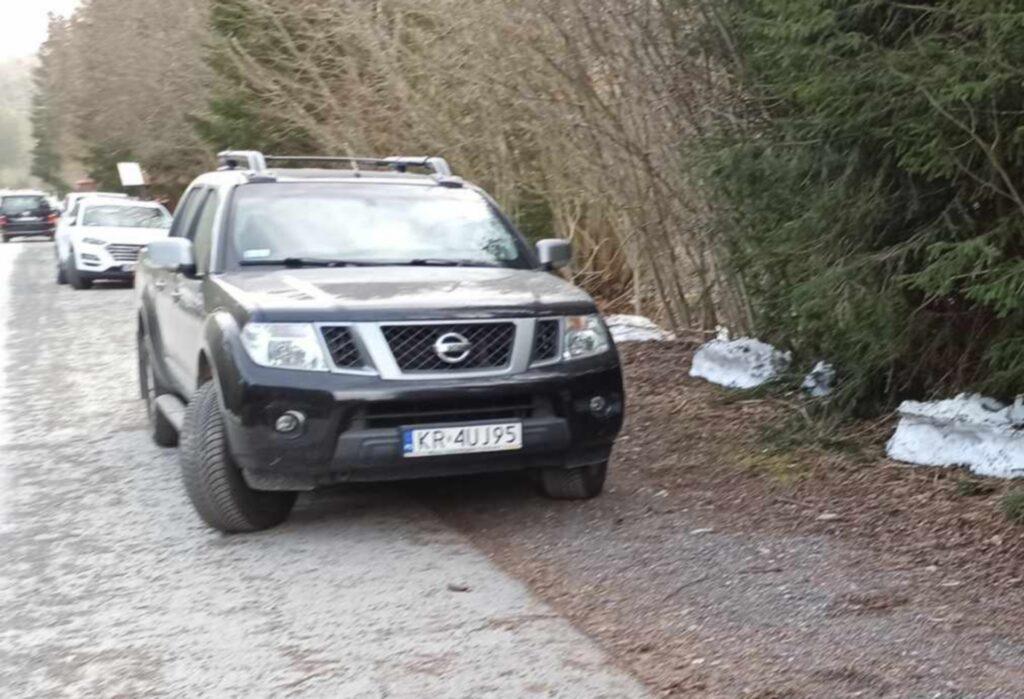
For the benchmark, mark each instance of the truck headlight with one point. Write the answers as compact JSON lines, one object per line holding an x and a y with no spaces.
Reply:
{"x":584,"y":336}
{"x":93,"y":241}
{"x":284,"y":346}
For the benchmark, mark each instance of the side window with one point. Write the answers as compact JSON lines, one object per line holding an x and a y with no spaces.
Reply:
{"x":202,"y":232}
{"x":73,"y":216}
{"x":186,"y":212}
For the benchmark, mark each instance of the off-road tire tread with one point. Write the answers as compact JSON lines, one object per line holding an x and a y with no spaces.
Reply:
{"x":580,"y":483}
{"x":213,"y":483}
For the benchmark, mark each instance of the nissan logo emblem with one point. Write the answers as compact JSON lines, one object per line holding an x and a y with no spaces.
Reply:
{"x":452,"y":348}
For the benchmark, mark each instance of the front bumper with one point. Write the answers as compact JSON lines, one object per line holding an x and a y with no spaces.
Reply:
{"x":96,"y":262}
{"x":353,"y":428}
{"x":116,"y":273}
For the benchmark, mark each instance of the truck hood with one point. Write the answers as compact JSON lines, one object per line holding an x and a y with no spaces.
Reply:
{"x":386,"y":293}
{"x":118,"y":235}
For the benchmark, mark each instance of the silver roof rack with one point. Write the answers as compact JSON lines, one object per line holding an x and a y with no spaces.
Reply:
{"x":257,"y":162}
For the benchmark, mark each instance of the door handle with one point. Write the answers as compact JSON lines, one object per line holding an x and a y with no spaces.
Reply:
{"x":159,"y":284}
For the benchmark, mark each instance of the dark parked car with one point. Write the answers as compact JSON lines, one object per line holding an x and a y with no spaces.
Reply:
{"x":301,"y":328}
{"x":26,"y":214}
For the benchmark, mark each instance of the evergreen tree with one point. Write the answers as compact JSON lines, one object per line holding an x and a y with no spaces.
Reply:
{"x":874,"y":188}
{"x":235,"y":118}
{"x":45,"y":116}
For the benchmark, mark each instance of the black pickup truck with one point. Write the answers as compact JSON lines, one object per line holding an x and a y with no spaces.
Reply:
{"x":379,"y":319}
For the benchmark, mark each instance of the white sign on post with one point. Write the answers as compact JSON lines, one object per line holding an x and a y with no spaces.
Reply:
{"x":131,"y":174}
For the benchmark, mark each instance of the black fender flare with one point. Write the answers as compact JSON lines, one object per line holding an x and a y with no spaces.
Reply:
{"x":218,"y":361}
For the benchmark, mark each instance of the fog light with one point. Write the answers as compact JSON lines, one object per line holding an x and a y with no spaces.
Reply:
{"x":291,"y":421}
{"x":598,"y":405}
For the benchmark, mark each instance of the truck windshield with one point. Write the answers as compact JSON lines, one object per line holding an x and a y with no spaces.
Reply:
{"x":370,"y":224}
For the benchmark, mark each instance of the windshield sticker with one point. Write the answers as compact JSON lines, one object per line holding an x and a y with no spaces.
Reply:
{"x":256,"y":254}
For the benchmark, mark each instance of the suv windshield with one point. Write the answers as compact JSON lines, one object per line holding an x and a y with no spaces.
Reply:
{"x":370,"y":224}
{"x":125,"y":217}
{"x":12,"y":206}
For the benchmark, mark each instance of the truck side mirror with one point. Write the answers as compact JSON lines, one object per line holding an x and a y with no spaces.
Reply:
{"x":554,"y":253}
{"x":172,"y":254}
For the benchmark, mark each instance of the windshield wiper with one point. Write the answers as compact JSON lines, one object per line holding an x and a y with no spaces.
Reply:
{"x":331,"y":262}
{"x":306,"y":262}
{"x":441,"y":262}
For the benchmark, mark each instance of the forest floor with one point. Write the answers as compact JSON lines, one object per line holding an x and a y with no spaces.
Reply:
{"x":740,"y":550}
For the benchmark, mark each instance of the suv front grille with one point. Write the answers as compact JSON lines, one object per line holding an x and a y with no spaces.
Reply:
{"x":124,"y":253}
{"x":488,"y":346}
{"x":343,"y":348}
{"x":399,"y":413}
{"x":545,"y":340}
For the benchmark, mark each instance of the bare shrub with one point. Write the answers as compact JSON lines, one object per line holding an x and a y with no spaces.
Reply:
{"x":579,"y":115}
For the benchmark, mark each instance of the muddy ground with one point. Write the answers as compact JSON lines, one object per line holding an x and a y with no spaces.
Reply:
{"x":734,"y":557}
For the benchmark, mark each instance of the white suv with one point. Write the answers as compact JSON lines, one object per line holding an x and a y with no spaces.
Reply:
{"x":101,"y":238}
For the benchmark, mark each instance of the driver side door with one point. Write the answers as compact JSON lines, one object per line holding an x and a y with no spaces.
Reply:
{"x":187,"y":310}
{"x":165,"y":297}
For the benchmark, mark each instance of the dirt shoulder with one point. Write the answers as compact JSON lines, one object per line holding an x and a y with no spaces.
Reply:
{"x":727,"y":559}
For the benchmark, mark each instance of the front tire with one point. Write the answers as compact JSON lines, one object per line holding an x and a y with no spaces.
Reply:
{"x":75,"y":277}
{"x":213,"y":483}
{"x":581,"y":483}
{"x":160,"y":429}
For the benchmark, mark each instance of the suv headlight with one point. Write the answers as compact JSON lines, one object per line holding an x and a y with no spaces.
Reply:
{"x":584,"y":336}
{"x":284,"y":346}
{"x":93,"y":241}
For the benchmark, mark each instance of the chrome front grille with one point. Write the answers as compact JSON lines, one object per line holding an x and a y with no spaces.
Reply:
{"x":124,"y":253}
{"x":447,"y":347}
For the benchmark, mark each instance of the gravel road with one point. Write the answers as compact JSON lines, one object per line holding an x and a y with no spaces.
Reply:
{"x":110,"y":586}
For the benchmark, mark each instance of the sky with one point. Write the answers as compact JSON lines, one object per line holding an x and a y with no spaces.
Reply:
{"x":24,"y":24}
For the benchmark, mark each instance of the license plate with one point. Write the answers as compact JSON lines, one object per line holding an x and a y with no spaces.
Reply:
{"x":466,"y":439}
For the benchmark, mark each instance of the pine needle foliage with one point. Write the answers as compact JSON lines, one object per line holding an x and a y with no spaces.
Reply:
{"x":873,"y":186}
{"x":235,"y":117}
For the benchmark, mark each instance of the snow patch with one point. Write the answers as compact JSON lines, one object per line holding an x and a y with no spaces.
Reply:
{"x":970,"y":430}
{"x":742,"y":363}
{"x":627,"y":328}
{"x":820,"y":381}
